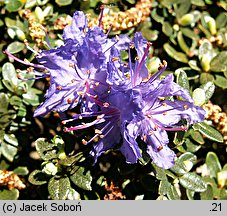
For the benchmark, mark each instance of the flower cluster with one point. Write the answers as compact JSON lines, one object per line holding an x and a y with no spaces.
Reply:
{"x":125,"y":102}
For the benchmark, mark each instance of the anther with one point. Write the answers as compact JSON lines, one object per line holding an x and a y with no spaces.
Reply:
{"x":19,"y":76}
{"x":84,"y":142}
{"x":97,"y":131}
{"x":164,"y":104}
{"x":155,"y":127}
{"x":97,"y":84}
{"x":165,"y":113}
{"x":160,"y":148}
{"x":150,"y":133}
{"x":161,"y":98}
{"x":18,"y":70}
{"x":185,"y":107}
{"x":73,"y":80}
{"x":71,"y":65}
{"x":59,"y":88}
{"x":132,"y":46}
{"x":115,"y":59}
{"x":106,"y":104}
{"x":100,"y":116}
{"x":69,"y":100}
{"x":137,"y":58}
{"x":88,"y":71}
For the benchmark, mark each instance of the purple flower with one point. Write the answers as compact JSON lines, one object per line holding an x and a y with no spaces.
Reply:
{"x":140,"y":106}
{"x":76,"y":67}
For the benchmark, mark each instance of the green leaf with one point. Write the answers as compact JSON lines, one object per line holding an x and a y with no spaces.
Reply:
{"x":21,"y":170}
{"x":181,"y":42}
{"x":15,"y":47}
{"x":63,"y":2}
{"x":184,"y":163}
{"x":208,"y":131}
{"x":199,"y":96}
{"x":206,"y":77}
{"x":9,"y":146}
{"x":205,"y":54}
{"x":45,"y":149}
{"x":13,"y":5}
{"x":221,"y":20}
{"x":190,"y":194}
{"x":193,"y":65}
{"x":160,"y":173}
{"x":188,"y":146}
{"x":81,"y":178}
{"x":172,"y":193}
{"x":220,"y":81}
{"x":4,"y":102}
{"x":9,"y":74}
{"x":37,"y":177}
{"x":182,"y":78}
{"x":59,"y":188}
{"x":213,"y":164}
{"x":198,"y":2}
{"x":219,"y":62}
{"x":209,"y":89}
{"x":156,"y":17}
{"x":207,"y":194}
{"x":163,"y":187}
{"x":178,"y":56}
{"x":153,"y":64}
{"x":73,"y":195}
{"x":193,"y":182}
{"x":167,"y":29}
{"x":30,"y":3}
{"x":9,"y":194}
{"x":31,"y":98}
{"x":196,"y":136}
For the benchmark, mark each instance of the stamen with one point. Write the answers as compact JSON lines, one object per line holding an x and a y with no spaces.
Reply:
{"x":47,"y":38}
{"x":141,"y":62}
{"x":161,"y":69}
{"x":101,"y":16}
{"x":23,"y":62}
{"x":109,"y":30}
{"x":29,"y":48}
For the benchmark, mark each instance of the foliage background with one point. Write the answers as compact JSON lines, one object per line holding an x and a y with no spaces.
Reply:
{"x":39,"y":161}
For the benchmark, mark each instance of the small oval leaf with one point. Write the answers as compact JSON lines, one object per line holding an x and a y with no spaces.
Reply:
{"x":81,"y":178}
{"x":213,"y":164}
{"x":208,"y":131}
{"x":15,"y":47}
{"x":193,"y":182}
{"x":59,"y":188}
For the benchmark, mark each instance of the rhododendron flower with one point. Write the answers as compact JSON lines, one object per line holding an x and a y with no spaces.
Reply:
{"x":140,"y":106}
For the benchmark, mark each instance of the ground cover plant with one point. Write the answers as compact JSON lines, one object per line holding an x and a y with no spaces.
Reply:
{"x":113,"y":100}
